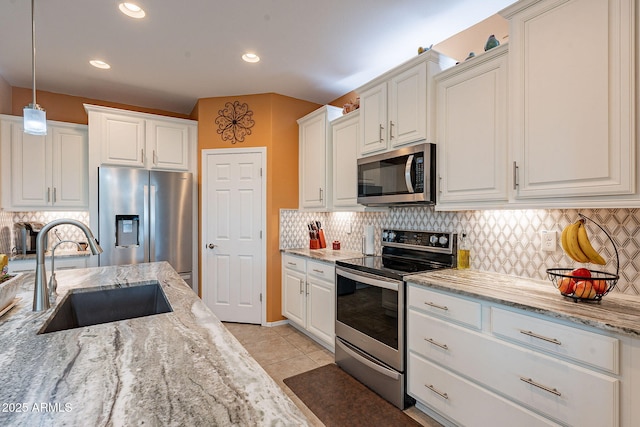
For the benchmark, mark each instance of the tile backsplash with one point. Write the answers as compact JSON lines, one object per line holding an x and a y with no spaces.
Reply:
{"x":66,"y":232}
{"x":504,"y":241}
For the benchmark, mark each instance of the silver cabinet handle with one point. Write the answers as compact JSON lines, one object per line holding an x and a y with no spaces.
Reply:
{"x":48,"y":194}
{"x":301,"y":290}
{"x":380,"y":139}
{"x":434,"y":305}
{"x":391,"y":124}
{"x":155,"y":158}
{"x":142,"y":155}
{"x":515,"y":176}
{"x":292,"y":263}
{"x":440,"y":184}
{"x":318,"y":271}
{"x":307,"y":288}
{"x":321,"y":194}
{"x":438,"y":392}
{"x":540,"y":337}
{"x":55,"y":194}
{"x":540,"y":386}
{"x":437,"y":344}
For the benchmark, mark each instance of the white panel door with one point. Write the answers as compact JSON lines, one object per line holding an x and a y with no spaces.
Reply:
{"x":234,"y":268}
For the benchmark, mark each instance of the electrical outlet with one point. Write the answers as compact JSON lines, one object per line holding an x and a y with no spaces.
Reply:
{"x":549,"y":239}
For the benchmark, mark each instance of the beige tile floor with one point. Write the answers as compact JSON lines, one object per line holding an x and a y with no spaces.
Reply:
{"x":283,"y":351}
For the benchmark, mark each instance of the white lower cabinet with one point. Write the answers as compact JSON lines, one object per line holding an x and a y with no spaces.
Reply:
{"x":308,"y":297}
{"x":516,"y":369}
{"x":61,"y":263}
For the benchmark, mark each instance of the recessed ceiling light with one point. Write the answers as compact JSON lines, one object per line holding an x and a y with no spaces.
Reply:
{"x":99,"y":64}
{"x":132,"y":10}
{"x":250,"y":57}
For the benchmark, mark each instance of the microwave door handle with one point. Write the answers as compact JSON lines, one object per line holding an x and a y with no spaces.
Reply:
{"x":407,"y":174}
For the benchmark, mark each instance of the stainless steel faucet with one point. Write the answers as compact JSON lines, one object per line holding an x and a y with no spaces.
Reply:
{"x":53,"y":283}
{"x":40,"y":293}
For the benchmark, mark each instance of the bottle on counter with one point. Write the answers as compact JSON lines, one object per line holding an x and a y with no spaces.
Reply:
{"x":464,"y":252}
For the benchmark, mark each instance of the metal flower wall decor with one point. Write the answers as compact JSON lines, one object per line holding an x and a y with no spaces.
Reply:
{"x":235,"y":122}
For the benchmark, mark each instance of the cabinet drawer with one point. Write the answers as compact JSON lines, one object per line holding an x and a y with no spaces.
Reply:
{"x":590,"y":348}
{"x":560,"y":390}
{"x":463,"y":401}
{"x":460,"y":310}
{"x":321,"y":270}
{"x":294,"y":263}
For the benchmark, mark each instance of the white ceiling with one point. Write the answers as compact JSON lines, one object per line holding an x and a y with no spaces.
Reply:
{"x":316,"y":50}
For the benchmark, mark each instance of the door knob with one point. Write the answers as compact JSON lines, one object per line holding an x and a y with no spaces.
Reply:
{"x":211,"y":246}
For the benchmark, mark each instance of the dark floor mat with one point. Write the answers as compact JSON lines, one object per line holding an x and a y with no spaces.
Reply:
{"x":338,"y":399}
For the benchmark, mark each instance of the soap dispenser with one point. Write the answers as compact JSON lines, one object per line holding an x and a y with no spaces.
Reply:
{"x":463,"y":252}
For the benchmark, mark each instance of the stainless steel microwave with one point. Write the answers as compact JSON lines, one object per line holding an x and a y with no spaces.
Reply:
{"x":403,"y":176}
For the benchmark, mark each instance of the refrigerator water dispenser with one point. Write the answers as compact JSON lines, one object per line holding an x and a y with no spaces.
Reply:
{"x":127,"y":227}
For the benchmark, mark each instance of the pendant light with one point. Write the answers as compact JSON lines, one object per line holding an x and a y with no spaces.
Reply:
{"x":35,"y":118}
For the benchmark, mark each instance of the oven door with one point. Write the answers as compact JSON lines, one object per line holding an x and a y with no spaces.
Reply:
{"x":370,"y":315}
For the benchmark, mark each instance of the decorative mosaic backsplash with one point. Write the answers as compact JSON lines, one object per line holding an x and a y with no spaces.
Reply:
{"x":66,"y":232}
{"x":503,"y":241}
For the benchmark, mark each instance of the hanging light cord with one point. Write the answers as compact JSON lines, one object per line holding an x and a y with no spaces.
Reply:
{"x":33,"y":48}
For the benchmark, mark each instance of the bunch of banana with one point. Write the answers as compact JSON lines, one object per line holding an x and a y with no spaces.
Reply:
{"x":576,"y":244}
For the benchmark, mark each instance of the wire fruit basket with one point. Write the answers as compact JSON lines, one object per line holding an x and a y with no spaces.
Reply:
{"x":566,"y":280}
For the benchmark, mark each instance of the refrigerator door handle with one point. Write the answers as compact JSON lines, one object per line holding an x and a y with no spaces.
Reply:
{"x":145,"y":218}
{"x":152,"y":223}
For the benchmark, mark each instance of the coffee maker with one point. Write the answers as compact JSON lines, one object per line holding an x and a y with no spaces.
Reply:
{"x":25,"y":235}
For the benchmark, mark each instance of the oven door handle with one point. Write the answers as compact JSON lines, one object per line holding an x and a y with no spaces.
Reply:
{"x":365,"y":361}
{"x":394,"y":286}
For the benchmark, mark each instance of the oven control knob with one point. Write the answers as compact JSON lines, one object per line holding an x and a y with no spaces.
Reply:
{"x":385,"y":235}
{"x":443,"y":240}
{"x":391,"y":236}
{"x":433,"y":239}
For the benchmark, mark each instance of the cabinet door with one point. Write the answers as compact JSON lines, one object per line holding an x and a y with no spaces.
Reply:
{"x":373,"y":119}
{"x":321,"y":309}
{"x":313,"y":162}
{"x":30,"y":169}
{"x":472,"y":131}
{"x":294,"y":296}
{"x":70,"y":168}
{"x":168,"y":145}
{"x":572,"y":78}
{"x":408,"y":106}
{"x":345,"y":168}
{"x":122,"y":140}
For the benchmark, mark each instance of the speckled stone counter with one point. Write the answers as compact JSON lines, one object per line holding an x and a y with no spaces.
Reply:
{"x":327,"y":254}
{"x":181,"y":368}
{"x":619,"y":313}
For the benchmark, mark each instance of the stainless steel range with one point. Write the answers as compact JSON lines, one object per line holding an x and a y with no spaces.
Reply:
{"x":370,"y":307}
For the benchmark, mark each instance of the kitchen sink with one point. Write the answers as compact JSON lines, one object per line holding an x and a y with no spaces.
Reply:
{"x":86,"y":307}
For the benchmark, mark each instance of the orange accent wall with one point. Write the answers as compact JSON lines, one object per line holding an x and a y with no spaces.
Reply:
{"x":68,"y":108}
{"x":276,"y":129}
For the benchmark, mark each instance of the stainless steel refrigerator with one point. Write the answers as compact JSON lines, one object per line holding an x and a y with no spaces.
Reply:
{"x":146,"y":216}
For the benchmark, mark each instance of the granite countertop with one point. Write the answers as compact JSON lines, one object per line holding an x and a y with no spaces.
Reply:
{"x":178,"y":368}
{"x":616,"y":312}
{"x":327,"y":254}
{"x":60,"y":253}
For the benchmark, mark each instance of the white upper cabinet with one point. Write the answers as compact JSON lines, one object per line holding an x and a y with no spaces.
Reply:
{"x":345,"y":131}
{"x":572,"y":74}
{"x":315,"y":171}
{"x":48,"y":171}
{"x":127,"y":138}
{"x":472,"y":132}
{"x":398,"y":107}
{"x":122,"y":140}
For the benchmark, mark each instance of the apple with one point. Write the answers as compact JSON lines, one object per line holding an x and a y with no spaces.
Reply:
{"x":600,"y":286}
{"x":584,"y":289}
{"x":581,"y":272}
{"x":566,"y":285}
